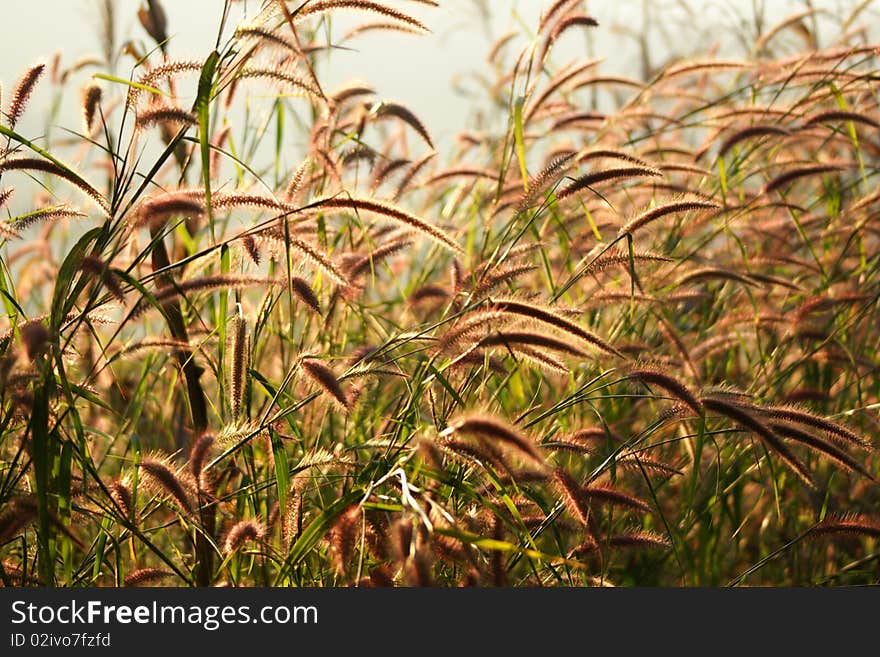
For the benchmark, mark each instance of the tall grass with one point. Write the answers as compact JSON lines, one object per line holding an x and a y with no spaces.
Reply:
{"x":628,"y":339}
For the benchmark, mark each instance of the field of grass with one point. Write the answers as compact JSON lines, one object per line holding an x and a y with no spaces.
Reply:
{"x":623,"y":332}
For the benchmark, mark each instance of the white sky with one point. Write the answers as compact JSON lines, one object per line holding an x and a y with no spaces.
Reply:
{"x":417,"y":71}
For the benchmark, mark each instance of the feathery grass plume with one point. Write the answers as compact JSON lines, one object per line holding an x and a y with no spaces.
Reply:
{"x":143,"y":576}
{"x":499,"y":43}
{"x":854,"y":524}
{"x":774,"y":280}
{"x":614,"y":80}
{"x":653,"y":374}
{"x":153,"y":75}
{"x":691,"y":169}
{"x":417,"y":570}
{"x":291,"y":524}
{"x":164,"y":113}
{"x":351,"y":90}
{"x":8,"y":232}
{"x":201,"y":284}
{"x":709,"y":273}
{"x":840,"y":115}
{"x":319,"y":260}
{"x":505,"y":275}
{"x":538,"y":183}
{"x":157,"y":343}
{"x":611,"y":495}
{"x":479,"y":358}
{"x":304,"y":293}
{"x":361,"y":264}
{"x":91,"y":100}
{"x":490,"y":428}
{"x":242,"y":532}
{"x":637,"y":539}
{"x":22,"y":93}
{"x":557,"y":10}
{"x":45,"y":215}
{"x":807,"y":394}
{"x":390,"y":211}
{"x":250,"y":245}
{"x":705,"y":66}
{"x":426,"y":293}
{"x":540,"y":358}
{"x":648,"y":216}
{"x":101,"y":270}
{"x":472,"y":324}
{"x":820,"y":304}
{"x":5,"y":194}
{"x":821,"y":445}
{"x":461,"y":172}
{"x":385,"y":109}
{"x":545,"y":316}
{"x":156,"y":210}
{"x":797,"y":173}
{"x":295,"y":185}
{"x":456,"y":276}
{"x":153,"y":19}
{"x":639,"y":464}
{"x":716,"y":344}
{"x":795,"y":21}
{"x":565,"y":76}
{"x":357,"y":153}
{"x":35,"y":337}
{"x":271,"y":37}
{"x":482,"y":453}
{"x":805,"y":417}
{"x":45,"y":166}
{"x":120,"y":493}
{"x":750,"y":132}
{"x":610,"y":154}
{"x":343,"y":536}
{"x":617,"y":257}
{"x":328,"y":165}
{"x":379,"y":27}
{"x":448,"y":547}
{"x":411,"y":173}
{"x":17,"y":514}
{"x":572,"y":496}
{"x":586,"y":181}
{"x":160,"y":479}
{"x":227,"y":200}
{"x":748,"y":421}
{"x":566,"y":22}
{"x":198,"y":454}
{"x":282,"y":78}
{"x":318,"y":6}
{"x":582,"y":440}
{"x":384,"y":170}
{"x":514,"y":339}
{"x":601,"y":299}
{"x":326,"y":379}
{"x":238,"y":353}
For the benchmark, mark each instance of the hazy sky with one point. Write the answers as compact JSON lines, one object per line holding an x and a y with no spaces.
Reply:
{"x":415,"y":70}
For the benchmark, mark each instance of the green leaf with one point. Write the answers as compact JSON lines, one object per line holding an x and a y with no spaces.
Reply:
{"x":131,"y":83}
{"x":282,"y":470}
{"x":62,"y":298}
{"x":202,"y":109}
{"x":520,"y":142}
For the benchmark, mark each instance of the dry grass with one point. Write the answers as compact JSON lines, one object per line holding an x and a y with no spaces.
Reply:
{"x":628,"y":337}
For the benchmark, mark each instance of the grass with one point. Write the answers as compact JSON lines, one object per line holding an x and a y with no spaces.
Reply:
{"x":627,"y":338}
